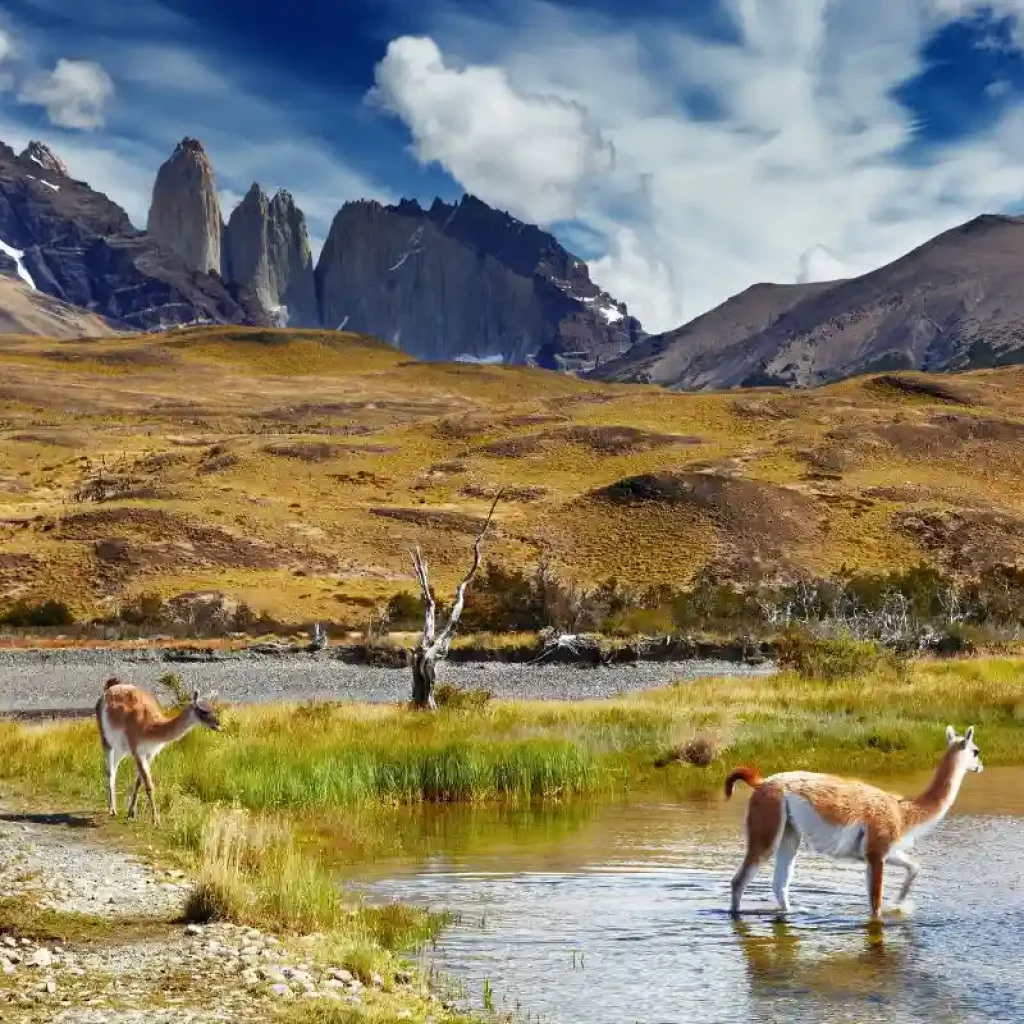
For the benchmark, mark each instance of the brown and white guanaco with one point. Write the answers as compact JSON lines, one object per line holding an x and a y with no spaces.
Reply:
{"x":845,"y":818}
{"x":132,"y":723}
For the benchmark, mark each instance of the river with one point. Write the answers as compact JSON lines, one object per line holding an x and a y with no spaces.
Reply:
{"x":617,"y":913}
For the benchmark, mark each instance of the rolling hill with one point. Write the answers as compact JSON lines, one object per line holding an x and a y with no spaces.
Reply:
{"x":295,"y":469}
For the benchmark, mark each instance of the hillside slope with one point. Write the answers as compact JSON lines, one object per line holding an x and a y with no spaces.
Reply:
{"x":24,"y":310}
{"x":954,"y":303}
{"x":294,"y":470}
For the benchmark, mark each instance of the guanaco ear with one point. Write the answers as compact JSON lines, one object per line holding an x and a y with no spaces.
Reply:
{"x":969,"y":735}
{"x":195,"y":696}
{"x":950,"y":734}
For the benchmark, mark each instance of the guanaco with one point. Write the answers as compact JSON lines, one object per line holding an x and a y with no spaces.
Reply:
{"x":132,"y":722}
{"x":844,"y":818}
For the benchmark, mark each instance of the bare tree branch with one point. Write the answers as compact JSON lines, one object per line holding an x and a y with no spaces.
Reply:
{"x":442,"y":642}
{"x":428,"y":600}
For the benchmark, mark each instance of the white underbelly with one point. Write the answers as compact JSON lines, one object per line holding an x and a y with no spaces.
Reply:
{"x":821,"y":836}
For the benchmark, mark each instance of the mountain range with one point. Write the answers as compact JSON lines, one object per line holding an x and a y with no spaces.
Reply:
{"x":954,"y":303}
{"x":455,"y":281}
{"x":464,"y":281}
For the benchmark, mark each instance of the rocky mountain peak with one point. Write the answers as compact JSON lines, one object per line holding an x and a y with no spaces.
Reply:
{"x":267,"y":251}
{"x":185,"y":213}
{"x":466,"y":281}
{"x":40,"y":155}
{"x":191,"y":147}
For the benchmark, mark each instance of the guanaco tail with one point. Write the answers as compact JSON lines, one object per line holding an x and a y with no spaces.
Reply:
{"x":132,"y":724}
{"x":845,"y":818}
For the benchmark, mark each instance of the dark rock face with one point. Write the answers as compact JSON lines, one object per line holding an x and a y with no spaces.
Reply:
{"x":267,"y":251}
{"x":81,"y":248}
{"x":37,"y":154}
{"x":184,"y":214}
{"x":954,"y":303}
{"x":466,"y":281}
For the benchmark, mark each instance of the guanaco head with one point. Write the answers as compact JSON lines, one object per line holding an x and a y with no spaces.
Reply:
{"x":205,"y":711}
{"x":965,"y":747}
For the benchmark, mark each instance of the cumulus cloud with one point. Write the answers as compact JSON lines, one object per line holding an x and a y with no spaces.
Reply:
{"x":793,"y":165}
{"x":818,"y":264}
{"x":528,"y":153}
{"x":74,"y":93}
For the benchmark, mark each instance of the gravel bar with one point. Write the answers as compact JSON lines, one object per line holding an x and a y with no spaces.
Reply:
{"x":71,"y":680}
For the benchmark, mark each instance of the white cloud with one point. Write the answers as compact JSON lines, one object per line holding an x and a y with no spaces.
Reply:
{"x":528,"y":153}
{"x":805,"y":154}
{"x":818,"y":264}
{"x":74,"y":93}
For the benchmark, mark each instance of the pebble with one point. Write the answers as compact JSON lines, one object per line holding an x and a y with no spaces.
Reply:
{"x":42,"y":957}
{"x":245,"y":966}
{"x":67,"y":678}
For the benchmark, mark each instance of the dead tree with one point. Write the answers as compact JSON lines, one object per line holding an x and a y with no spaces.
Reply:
{"x":433,"y":646}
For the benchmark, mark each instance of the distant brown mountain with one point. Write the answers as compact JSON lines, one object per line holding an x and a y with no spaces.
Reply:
{"x":954,"y":303}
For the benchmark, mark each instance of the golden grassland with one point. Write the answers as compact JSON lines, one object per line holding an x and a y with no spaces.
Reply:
{"x":294,"y":470}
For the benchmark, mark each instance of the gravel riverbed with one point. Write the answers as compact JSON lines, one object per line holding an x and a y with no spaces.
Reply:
{"x":71,"y":680}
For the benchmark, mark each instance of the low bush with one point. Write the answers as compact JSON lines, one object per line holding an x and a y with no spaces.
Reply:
{"x":23,"y":614}
{"x":829,"y":658}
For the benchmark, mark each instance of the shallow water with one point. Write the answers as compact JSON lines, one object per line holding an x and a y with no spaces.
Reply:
{"x":617,"y":914}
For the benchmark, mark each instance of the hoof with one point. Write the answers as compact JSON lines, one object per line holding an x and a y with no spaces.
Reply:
{"x":904,"y":909}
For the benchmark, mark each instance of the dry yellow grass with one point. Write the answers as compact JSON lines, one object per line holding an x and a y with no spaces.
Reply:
{"x":294,"y":470}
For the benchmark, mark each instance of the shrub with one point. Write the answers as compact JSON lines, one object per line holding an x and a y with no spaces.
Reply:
{"x":144,"y":610}
{"x":449,"y":696}
{"x":829,"y":659}
{"x":23,"y":614}
{"x":175,"y":686}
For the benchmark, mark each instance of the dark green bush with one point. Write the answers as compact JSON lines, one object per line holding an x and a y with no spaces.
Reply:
{"x":24,"y":614}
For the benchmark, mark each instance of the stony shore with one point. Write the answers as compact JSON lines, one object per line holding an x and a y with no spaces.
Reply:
{"x":160,"y":971}
{"x":71,"y":679}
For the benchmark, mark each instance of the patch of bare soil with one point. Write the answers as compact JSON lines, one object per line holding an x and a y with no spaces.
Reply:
{"x":966,"y":540}
{"x":617,"y":440}
{"x":454,"y":522}
{"x":522,"y":494}
{"x":133,"y":540}
{"x":112,"y":357}
{"x":53,"y":438}
{"x":513,"y":447}
{"x":949,"y":432}
{"x":754,"y":514}
{"x":891,"y":385}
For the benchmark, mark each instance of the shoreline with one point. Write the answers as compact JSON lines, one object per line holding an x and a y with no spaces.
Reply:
{"x":66,"y":683}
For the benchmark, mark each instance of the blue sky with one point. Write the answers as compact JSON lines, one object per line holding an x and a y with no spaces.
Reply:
{"x":687,"y":148}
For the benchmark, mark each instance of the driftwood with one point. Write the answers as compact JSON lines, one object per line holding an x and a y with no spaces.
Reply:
{"x":433,"y":646}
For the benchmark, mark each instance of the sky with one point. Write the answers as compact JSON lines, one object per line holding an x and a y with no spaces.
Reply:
{"x":686,"y":149}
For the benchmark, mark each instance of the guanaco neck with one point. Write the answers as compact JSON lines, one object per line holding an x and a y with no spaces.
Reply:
{"x":171,"y":729}
{"x":937,"y":799}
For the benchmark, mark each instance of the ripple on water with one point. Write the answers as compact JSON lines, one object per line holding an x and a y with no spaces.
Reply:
{"x":634,"y":927}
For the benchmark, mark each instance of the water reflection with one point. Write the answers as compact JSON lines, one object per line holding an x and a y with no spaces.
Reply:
{"x":618,"y":914}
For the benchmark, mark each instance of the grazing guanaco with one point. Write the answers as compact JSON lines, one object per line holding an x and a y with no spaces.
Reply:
{"x":846,"y":819}
{"x":132,"y":723}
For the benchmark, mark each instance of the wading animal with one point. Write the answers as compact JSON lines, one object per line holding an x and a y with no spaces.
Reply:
{"x":132,"y":723}
{"x":846,"y":819}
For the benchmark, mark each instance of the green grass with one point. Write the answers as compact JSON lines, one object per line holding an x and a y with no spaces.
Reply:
{"x":302,"y":759}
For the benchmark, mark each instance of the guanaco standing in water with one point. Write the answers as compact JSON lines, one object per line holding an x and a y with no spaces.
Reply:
{"x":132,"y":723}
{"x":845,"y":818}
